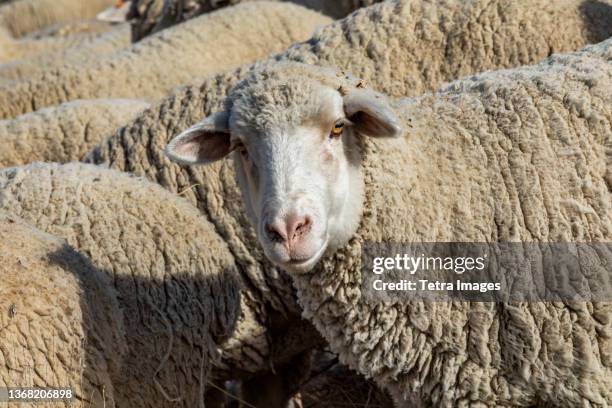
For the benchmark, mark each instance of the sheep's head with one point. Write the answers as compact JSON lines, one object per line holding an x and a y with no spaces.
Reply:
{"x":294,"y":132}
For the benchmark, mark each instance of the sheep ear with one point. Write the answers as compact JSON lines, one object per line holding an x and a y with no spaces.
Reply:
{"x":371,"y":114}
{"x":203,"y":143}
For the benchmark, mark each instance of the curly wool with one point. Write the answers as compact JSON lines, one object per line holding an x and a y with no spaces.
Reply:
{"x":514,"y":155}
{"x":54,"y":301}
{"x":63,"y":133}
{"x":177,"y":285}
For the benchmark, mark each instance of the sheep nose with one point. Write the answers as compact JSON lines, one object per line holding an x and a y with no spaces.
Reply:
{"x":289,"y":230}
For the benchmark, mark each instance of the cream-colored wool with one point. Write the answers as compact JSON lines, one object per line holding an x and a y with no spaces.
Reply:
{"x":392,"y":45}
{"x":408,"y":47}
{"x":60,"y":324}
{"x":6,"y":42}
{"x":32,"y":56}
{"x":517,"y":155}
{"x":28,"y":48}
{"x":185,"y":53}
{"x":14,"y":50}
{"x":176,"y":282}
{"x":24,"y":16}
{"x":63,"y":133}
{"x":73,"y":27}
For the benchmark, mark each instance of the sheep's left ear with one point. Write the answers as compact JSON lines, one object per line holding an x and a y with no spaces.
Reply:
{"x":371,"y":114}
{"x":203,"y":143}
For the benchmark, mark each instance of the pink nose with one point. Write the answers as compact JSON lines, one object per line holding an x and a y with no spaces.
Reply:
{"x":290,"y":230}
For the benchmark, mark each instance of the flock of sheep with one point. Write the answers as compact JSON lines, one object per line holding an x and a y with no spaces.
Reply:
{"x":139,"y":282}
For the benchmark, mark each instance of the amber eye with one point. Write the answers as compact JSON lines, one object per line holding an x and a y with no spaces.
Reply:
{"x":337,"y":130}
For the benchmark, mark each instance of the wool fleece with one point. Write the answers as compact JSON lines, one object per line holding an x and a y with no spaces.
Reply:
{"x":33,"y":56}
{"x":176,"y":283}
{"x":518,"y":155}
{"x":25,"y":16}
{"x":63,"y":133}
{"x":46,"y":320}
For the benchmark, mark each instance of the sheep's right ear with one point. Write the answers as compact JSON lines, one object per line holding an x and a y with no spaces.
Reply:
{"x":203,"y":143}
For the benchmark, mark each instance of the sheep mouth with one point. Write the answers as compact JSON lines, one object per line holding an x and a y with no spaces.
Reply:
{"x":306,"y":264}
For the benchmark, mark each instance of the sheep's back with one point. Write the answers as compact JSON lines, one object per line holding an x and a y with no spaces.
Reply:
{"x":409,"y":47}
{"x":24,"y":16}
{"x":63,"y":133}
{"x":60,"y":325}
{"x":177,"y":283}
{"x":35,"y":56}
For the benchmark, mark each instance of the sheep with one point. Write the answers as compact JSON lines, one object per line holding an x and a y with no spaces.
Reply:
{"x":326,"y":166}
{"x":153,"y":67}
{"x":78,"y":49}
{"x":150,"y":16}
{"x":180,"y":298}
{"x":403,"y":28}
{"x":63,"y":133}
{"x":53,"y":301}
{"x":132,"y":232}
{"x":24,"y":16}
{"x":32,"y":47}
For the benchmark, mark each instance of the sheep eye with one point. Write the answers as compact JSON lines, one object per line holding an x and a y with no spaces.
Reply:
{"x":337,"y":130}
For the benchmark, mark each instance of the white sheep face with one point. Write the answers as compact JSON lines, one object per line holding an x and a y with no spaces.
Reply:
{"x":294,"y":138}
